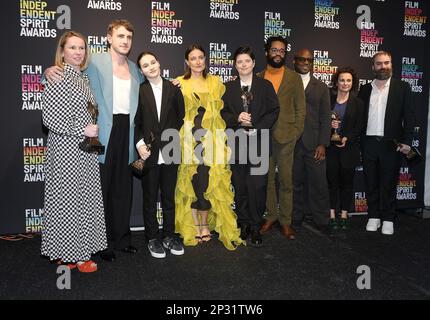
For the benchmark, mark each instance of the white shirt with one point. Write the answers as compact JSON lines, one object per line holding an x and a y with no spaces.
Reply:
{"x":121,"y":96}
{"x":157,"y":89}
{"x":305,"y":78}
{"x":377,"y":107}
{"x":243,"y":84}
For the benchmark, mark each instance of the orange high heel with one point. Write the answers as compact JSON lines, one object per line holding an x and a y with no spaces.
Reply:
{"x":87,"y":266}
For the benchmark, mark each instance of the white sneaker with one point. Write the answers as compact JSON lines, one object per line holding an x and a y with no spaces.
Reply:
{"x":373,"y":224}
{"x":387,"y":227}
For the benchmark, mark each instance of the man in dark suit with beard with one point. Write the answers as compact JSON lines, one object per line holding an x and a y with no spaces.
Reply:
{"x":389,"y":122}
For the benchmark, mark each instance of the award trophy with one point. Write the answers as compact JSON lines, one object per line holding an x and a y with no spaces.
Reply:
{"x":335,"y":136}
{"x":92,"y":144}
{"x":138,"y":166}
{"x":247,"y":97}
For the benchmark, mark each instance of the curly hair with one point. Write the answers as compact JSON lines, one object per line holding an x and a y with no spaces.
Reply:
{"x":269,"y":41}
{"x":349,"y":70}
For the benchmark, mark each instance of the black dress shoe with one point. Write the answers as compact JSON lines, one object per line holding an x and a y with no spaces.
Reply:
{"x":326,"y":231}
{"x":107,"y":255}
{"x":256,"y":239}
{"x":244,"y":231}
{"x":296,"y":225}
{"x":129,"y":249}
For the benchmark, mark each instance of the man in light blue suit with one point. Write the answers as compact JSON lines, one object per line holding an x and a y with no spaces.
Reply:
{"x":115,"y":82}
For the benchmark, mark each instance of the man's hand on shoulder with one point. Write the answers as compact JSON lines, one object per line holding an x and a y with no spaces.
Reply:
{"x":54,"y":74}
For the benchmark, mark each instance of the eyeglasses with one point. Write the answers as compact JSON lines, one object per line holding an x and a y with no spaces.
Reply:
{"x":276,"y":50}
{"x":303,"y":59}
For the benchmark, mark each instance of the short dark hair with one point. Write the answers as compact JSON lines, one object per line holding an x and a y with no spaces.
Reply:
{"x":349,"y":70}
{"x":190,"y":48}
{"x":244,"y":50}
{"x":269,"y":41}
{"x":145,"y":53}
{"x":381,"y":53}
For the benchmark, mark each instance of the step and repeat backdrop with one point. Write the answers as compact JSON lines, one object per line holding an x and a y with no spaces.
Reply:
{"x":338,"y":32}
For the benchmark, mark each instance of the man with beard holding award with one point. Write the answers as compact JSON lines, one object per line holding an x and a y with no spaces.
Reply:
{"x":287,"y":129}
{"x":388,"y":130}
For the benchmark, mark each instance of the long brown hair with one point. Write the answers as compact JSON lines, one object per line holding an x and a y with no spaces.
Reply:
{"x":190,"y":48}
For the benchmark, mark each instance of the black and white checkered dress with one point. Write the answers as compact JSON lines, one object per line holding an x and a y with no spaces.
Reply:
{"x":74,"y":224}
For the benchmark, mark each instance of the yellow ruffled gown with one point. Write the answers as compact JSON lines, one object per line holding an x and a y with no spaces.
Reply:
{"x":221,"y":217}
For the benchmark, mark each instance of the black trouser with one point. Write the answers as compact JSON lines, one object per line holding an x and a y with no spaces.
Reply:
{"x":340,"y":180}
{"x":116,"y":182}
{"x":307,"y":171}
{"x":249,"y":195}
{"x":381,"y":164}
{"x":160,"y":177}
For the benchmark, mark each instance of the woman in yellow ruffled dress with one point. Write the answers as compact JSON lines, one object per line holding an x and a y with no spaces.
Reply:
{"x":203,"y":196}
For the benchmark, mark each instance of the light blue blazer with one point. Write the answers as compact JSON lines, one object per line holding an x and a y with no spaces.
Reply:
{"x":101,"y":80}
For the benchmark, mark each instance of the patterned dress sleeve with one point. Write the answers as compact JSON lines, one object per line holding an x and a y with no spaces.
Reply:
{"x":60,"y":109}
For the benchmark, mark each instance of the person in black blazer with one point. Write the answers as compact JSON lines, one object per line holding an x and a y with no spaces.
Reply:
{"x":161,"y":107}
{"x":344,"y":155}
{"x":310,"y":191}
{"x":251,"y":140}
{"x":389,"y":120}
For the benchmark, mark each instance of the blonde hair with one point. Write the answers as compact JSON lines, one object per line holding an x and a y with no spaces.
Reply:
{"x":120,"y":23}
{"x":59,"y":59}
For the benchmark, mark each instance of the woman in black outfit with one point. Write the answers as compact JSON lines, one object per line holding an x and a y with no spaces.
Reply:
{"x":251,"y":108}
{"x":344,"y":155}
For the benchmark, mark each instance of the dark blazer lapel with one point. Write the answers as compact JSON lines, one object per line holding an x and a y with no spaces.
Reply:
{"x":147,"y":91}
{"x":283,"y":85}
{"x":237,"y":96}
{"x":311,"y":83}
{"x":349,"y":113}
{"x":255,"y":90}
{"x":366,"y":96}
{"x":164,"y":99}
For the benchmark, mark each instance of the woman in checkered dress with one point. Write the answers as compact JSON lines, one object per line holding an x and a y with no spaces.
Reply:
{"x":74,"y":225}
